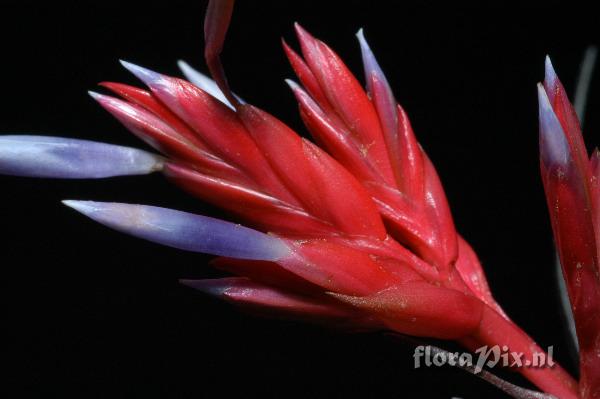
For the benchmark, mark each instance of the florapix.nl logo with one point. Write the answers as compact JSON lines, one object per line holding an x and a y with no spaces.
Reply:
{"x":431,"y":356}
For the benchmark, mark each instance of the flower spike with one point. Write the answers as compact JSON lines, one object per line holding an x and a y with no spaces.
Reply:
{"x":66,"y":158}
{"x":370,"y":134}
{"x":571,"y":186}
{"x":358,"y":234}
{"x":565,"y":113}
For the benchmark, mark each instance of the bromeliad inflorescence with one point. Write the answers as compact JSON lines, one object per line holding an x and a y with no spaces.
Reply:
{"x":355,"y":231}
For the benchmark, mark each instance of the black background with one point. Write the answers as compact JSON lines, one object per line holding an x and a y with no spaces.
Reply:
{"x":94,"y":313}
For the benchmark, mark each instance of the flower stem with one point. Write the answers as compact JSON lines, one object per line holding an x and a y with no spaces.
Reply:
{"x":497,"y":330}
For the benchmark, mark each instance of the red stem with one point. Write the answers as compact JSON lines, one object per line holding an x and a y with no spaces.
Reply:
{"x":497,"y":330}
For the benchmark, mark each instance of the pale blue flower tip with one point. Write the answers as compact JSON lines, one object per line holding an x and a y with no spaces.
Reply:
{"x":370,"y":64}
{"x":147,"y":76}
{"x":84,"y":207}
{"x":96,"y":96}
{"x":361,"y":37}
{"x":214,"y":287}
{"x":550,"y":73}
{"x":293,"y":85}
{"x":554,"y":147}
{"x":204,"y":82}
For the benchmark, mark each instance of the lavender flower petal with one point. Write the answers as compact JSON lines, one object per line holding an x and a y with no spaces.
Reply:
{"x":550,"y":79}
{"x":554,"y":148}
{"x":370,"y":63}
{"x":379,"y":88}
{"x":150,"y":78}
{"x":292,"y":84}
{"x":56,"y":157}
{"x":184,"y":230}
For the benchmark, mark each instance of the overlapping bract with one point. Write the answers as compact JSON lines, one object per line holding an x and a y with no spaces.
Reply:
{"x":370,"y":134}
{"x":572,"y":185}
{"x":360,"y":236}
{"x":251,"y":164}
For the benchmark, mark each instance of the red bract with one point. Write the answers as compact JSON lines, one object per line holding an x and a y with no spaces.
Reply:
{"x":571,"y":181}
{"x":373,"y":138}
{"x":370,"y":134}
{"x":373,"y":244}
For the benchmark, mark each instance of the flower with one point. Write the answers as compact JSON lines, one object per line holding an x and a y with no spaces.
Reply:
{"x":572,"y":185}
{"x":360,"y":236}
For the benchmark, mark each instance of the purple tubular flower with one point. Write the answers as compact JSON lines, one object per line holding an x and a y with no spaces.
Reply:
{"x":184,"y":230}
{"x":385,"y":105}
{"x":370,"y":64}
{"x":57,"y":157}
